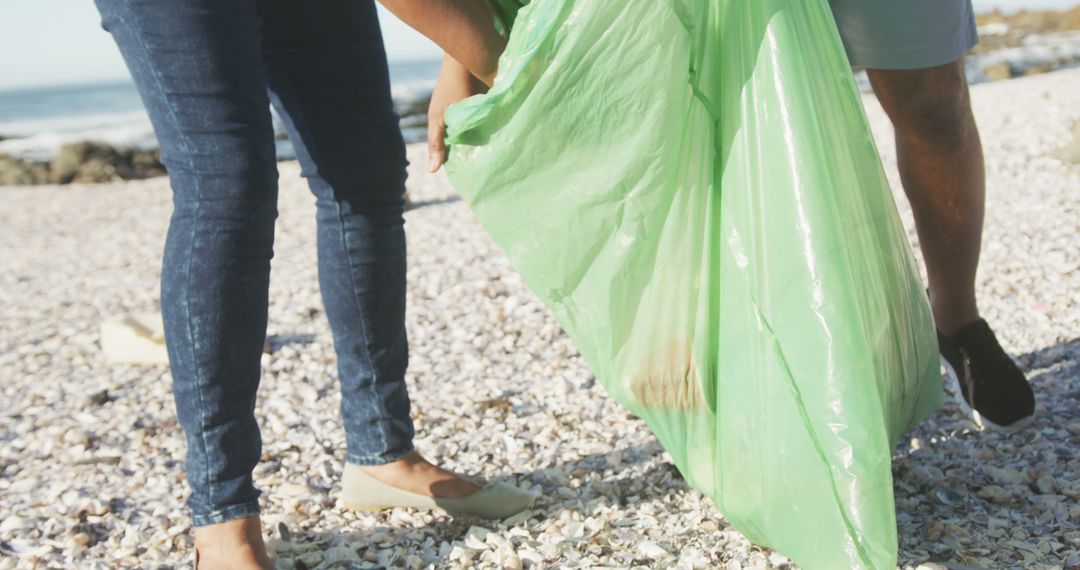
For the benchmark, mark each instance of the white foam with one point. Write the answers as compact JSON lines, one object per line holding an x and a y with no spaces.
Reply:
{"x":1056,"y":50}
{"x":39,"y":139}
{"x":411,"y":91}
{"x":994,"y":29}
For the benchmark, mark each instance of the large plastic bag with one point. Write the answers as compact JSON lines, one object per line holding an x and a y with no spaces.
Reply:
{"x":692,"y":188}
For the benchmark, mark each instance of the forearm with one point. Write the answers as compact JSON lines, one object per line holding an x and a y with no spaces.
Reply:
{"x":464,"y":29}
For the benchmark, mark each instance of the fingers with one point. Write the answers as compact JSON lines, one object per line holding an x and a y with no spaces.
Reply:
{"x":436,"y":142}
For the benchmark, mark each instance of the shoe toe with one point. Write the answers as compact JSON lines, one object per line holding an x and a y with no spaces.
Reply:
{"x":495,"y":501}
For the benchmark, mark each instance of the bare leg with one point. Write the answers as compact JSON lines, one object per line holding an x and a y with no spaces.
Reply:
{"x":941,"y":167}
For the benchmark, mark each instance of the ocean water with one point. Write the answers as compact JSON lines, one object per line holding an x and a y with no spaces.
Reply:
{"x":34,"y":123}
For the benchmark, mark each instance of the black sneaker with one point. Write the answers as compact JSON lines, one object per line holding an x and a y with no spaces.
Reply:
{"x":990,"y":387}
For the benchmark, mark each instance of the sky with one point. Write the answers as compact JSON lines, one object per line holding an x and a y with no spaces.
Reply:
{"x":51,"y":42}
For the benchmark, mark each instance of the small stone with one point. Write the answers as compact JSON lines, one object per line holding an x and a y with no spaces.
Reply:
{"x":14,"y":522}
{"x":478,"y":532}
{"x":339,"y":554}
{"x":531,"y":556}
{"x":511,"y":561}
{"x":309,"y":559}
{"x":933,"y":531}
{"x":994,"y":493}
{"x":294,"y":491}
{"x":1008,"y":475}
{"x":81,"y":539}
{"x":460,"y":553}
{"x":652,"y":550}
{"x":777,"y":559}
{"x":474,"y":542}
{"x":100,"y":398}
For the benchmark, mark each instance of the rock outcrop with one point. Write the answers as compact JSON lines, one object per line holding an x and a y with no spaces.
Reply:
{"x":84,"y":163}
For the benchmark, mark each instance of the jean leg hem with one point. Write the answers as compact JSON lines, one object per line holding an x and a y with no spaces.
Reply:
{"x":227,"y":514}
{"x":369,"y":460}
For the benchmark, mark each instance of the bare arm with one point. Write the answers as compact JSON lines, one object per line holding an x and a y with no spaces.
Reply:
{"x":464,"y":29}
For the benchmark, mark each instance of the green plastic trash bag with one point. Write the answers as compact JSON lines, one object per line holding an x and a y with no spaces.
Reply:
{"x":692,"y":189}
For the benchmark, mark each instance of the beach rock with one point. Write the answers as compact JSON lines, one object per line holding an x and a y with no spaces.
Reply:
{"x":1038,"y":69}
{"x":998,"y":71}
{"x":146,"y":163}
{"x":19,"y":172}
{"x":93,"y":162}
{"x":83,"y":162}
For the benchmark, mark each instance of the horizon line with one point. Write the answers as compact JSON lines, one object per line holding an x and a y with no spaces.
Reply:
{"x":126,"y":78}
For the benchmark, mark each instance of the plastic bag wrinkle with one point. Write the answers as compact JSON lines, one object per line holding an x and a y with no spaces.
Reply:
{"x":691,"y":188}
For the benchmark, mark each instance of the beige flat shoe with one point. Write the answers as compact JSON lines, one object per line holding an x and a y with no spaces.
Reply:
{"x":362,"y":492}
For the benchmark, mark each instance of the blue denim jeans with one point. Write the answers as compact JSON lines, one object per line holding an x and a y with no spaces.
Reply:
{"x":208,"y":71}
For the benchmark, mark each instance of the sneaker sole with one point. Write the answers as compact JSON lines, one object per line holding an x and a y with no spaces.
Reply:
{"x":954,"y":381}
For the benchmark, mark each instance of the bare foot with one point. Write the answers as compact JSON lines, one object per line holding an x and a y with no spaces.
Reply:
{"x":414,"y":474}
{"x":236,"y":544}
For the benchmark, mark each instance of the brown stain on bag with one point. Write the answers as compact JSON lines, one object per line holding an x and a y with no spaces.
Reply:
{"x":669,"y":381}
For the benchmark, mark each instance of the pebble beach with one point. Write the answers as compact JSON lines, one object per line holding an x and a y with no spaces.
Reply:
{"x":91,"y":456}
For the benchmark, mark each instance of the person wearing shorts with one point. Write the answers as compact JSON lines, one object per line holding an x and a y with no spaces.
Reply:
{"x":913,"y":53}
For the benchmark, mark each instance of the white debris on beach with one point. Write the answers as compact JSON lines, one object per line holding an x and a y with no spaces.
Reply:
{"x":91,"y":472}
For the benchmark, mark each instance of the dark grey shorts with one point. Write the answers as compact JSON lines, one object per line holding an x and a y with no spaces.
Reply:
{"x":905,"y":34}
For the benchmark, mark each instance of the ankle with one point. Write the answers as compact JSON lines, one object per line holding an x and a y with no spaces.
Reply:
{"x":404,"y":464}
{"x":953,"y":314}
{"x":233,"y":544}
{"x":415,"y":474}
{"x":950,"y":322}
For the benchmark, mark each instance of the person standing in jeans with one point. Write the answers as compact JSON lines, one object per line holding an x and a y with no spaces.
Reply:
{"x":208,"y":72}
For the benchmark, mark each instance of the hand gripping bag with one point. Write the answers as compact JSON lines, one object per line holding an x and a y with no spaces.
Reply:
{"x":692,"y":189}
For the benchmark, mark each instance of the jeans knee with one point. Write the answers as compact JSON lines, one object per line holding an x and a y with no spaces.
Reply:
{"x":378,"y":199}
{"x":235,"y":182}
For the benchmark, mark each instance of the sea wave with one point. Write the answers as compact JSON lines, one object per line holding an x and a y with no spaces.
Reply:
{"x":415,"y":91}
{"x":39,"y":139}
